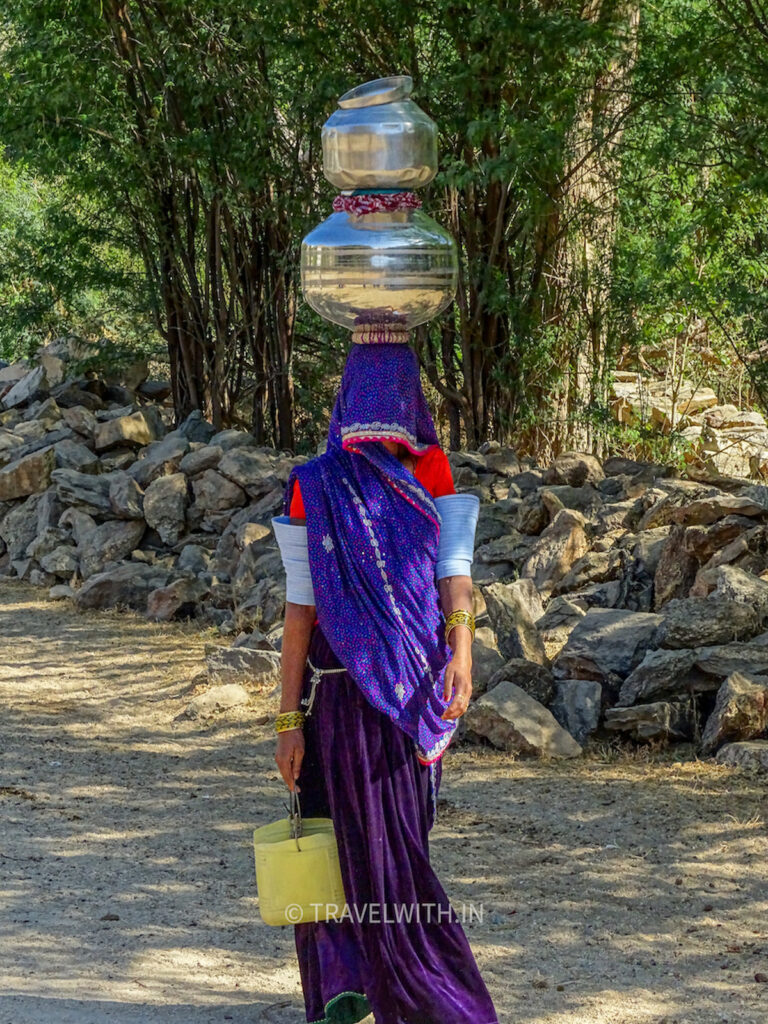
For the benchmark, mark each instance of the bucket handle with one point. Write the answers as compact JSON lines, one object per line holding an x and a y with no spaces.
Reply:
{"x":294,"y":816}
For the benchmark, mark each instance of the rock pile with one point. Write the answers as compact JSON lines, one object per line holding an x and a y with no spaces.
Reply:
{"x":612,"y":599}
{"x":101,"y":501}
{"x":624,"y":600}
{"x":723,"y":439}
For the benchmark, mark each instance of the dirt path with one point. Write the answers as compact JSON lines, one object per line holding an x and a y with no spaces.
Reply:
{"x":612,"y":891}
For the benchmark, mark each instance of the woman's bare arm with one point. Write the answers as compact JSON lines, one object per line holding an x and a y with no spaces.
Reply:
{"x":299,"y":619}
{"x":456,"y":592}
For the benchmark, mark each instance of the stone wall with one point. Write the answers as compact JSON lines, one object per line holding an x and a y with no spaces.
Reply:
{"x":721,"y":439}
{"x":613,"y":600}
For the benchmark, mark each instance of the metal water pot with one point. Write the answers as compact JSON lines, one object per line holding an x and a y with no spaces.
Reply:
{"x":380,"y":138}
{"x":398,"y":268}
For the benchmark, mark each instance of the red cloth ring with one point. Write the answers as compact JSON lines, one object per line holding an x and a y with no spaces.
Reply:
{"x":376,"y":202}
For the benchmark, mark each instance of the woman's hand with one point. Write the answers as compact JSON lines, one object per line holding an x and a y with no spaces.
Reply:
{"x":458,"y":681}
{"x":289,"y":755}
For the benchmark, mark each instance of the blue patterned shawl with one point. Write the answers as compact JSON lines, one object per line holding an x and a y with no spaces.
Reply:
{"x":372,"y":531}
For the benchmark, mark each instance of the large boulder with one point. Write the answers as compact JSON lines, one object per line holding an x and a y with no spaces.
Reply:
{"x":126,"y":498}
{"x":734,"y":584}
{"x":557,"y":623}
{"x":262,"y":607}
{"x":244,"y":665}
{"x":34,"y":441}
{"x":165,"y":506}
{"x":749,"y":551}
{"x":31,"y":386}
{"x":513,"y":609}
{"x":159,"y":458}
{"x":71,"y":454}
{"x":716,"y":506}
{"x":535,"y":679}
{"x":47,"y":413}
{"x":701,"y":621}
{"x":216,"y":493}
{"x":46,"y":541}
{"x":257,"y":563}
{"x":207,"y":456}
{"x":124,"y":586}
{"x":252,"y":470}
{"x":179,"y":599}
{"x":88,"y":492}
{"x":664,"y":673}
{"x":676,"y":569}
{"x":706,"y":542}
{"x":110,"y":542}
{"x":10,"y":373}
{"x":501,"y":555}
{"x":576,"y":706}
{"x":504,"y":462}
{"x":740,"y":712}
{"x":48,"y":509}
{"x":647,"y":547}
{"x":487,"y":659}
{"x":70,"y":394}
{"x":135,"y":430}
{"x":718,"y":662}
{"x":80,"y":525}
{"x":660,"y":673}
{"x":231,"y":438}
{"x":60,"y":561}
{"x":9,"y":445}
{"x":19,"y":526}
{"x":532,"y":514}
{"x":575,"y":469}
{"x":585,"y":499}
{"x":561,"y":544}
{"x":606,"y":645}
{"x":752,"y":755}
{"x":662,"y":505}
{"x":660,"y":720}
{"x":511,"y":720}
{"x":195,"y":558}
{"x":29,"y":475}
{"x":81,"y":420}
{"x":594,"y":567}
{"x":195,"y":428}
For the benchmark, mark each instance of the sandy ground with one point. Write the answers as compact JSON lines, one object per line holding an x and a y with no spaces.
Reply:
{"x":612,"y":889}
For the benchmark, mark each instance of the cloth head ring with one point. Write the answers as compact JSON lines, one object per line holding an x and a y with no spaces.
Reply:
{"x":380,"y":334}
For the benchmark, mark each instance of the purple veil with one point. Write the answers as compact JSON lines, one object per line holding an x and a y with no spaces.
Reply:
{"x":372,"y":532}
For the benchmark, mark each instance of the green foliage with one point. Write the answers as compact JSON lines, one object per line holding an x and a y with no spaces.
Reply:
{"x":61,"y":273}
{"x":691,"y":244}
{"x":602,"y":168}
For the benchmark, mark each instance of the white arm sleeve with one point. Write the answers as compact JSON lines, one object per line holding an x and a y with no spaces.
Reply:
{"x":456,"y":547}
{"x":292,"y":540}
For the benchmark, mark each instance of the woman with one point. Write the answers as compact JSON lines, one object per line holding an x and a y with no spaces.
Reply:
{"x":374,"y":586}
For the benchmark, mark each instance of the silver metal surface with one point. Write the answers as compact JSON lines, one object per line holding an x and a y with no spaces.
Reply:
{"x":381,"y":267}
{"x":379,"y":138}
{"x":380,"y":90}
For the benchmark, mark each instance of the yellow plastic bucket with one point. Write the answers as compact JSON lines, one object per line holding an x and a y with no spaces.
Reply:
{"x":297,"y":870}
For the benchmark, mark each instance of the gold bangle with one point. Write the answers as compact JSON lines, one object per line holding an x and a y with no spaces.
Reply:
{"x":289,"y":720}
{"x":460,"y":618}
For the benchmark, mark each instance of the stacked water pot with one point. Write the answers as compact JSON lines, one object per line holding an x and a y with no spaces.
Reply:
{"x":378,"y":264}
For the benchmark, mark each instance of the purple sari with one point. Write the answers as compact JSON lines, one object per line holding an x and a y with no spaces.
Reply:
{"x":372,"y":532}
{"x":373,"y":733}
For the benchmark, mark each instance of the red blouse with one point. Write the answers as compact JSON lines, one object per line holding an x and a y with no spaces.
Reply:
{"x":433,"y":470}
